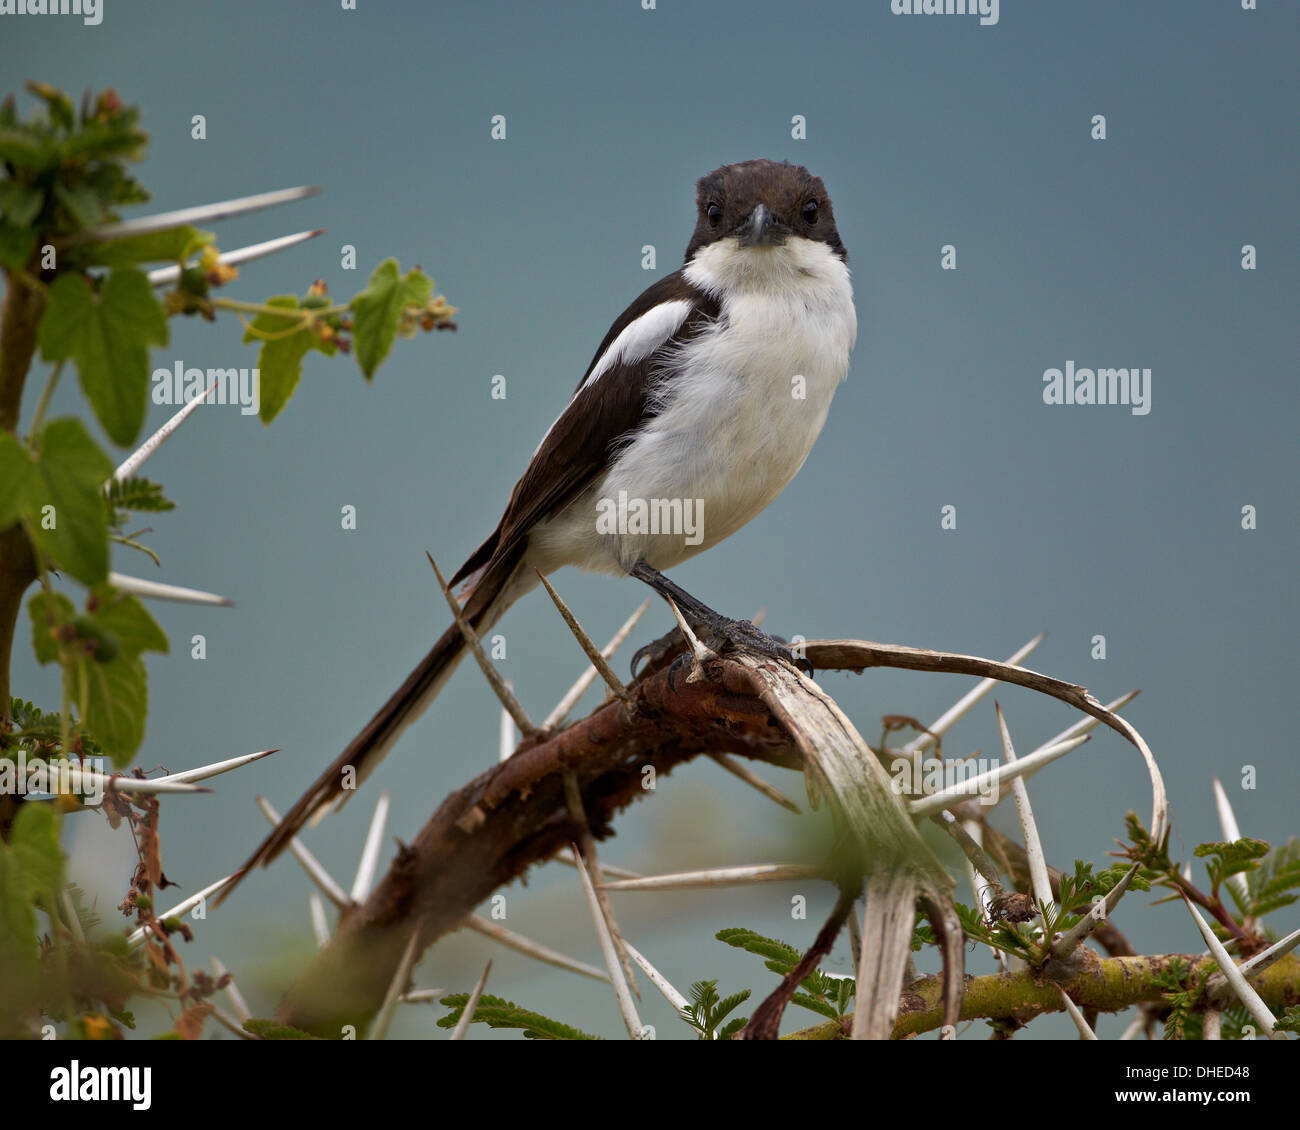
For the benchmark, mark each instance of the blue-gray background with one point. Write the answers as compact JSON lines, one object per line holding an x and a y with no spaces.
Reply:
{"x":928,"y":131}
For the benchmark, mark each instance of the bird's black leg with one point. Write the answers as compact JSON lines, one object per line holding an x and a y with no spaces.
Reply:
{"x":715,"y":629}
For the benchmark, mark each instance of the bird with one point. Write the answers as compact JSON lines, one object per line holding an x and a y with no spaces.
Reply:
{"x":702,"y":402}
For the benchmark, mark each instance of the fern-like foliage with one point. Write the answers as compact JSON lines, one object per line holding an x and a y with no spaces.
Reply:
{"x":138,"y":494}
{"x":496,"y":1012}
{"x":708,"y":1010}
{"x":1268,"y":887}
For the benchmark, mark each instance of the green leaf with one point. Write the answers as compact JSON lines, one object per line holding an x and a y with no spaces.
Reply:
{"x":780,"y":952}
{"x":115,"y":689}
{"x":117,"y":701}
{"x":18,"y":948}
{"x":18,"y":477}
{"x":82,"y":204}
{"x":16,"y":245}
{"x":48,"y":611}
{"x":71,"y":470}
{"x":129,"y":621}
{"x":26,"y":150}
{"x":62,"y":112}
{"x":169,"y":245}
{"x":1234,"y":851}
{"x":377,"y":310}
{"x":35,"y":844}
{"x":108,"y":337}
{"x":20,"y":203}
{"x":280,"y":359}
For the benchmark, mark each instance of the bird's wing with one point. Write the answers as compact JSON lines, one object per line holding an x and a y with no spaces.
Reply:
{"x":613,"y":399}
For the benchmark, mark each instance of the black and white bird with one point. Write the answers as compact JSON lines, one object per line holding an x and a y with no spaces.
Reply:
{"x":710,"y":388}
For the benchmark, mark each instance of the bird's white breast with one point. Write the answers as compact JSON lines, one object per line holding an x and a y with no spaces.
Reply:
{"x":741,"y":405}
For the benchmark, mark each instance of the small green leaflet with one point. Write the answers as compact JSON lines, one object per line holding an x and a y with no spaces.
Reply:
{"x":377,"y":310}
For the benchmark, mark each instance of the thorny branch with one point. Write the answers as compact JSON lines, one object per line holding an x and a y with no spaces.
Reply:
{"x":516,"y":814}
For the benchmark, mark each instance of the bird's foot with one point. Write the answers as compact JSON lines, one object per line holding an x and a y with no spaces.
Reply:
{"x":657,"y":654}
{"x":722,"y":634}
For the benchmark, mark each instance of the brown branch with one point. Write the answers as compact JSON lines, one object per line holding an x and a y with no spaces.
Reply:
{"x":1109,"y":984}
{"x":23,"y":304}
{"x":515,"y":815}
{"x":766,"y":1020}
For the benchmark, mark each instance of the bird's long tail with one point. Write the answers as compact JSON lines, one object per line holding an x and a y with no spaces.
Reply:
{"x":494,"y":592}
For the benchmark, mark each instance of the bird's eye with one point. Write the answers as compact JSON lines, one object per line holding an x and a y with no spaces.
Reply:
{"x":714,"y":212}
{"x":809,"y":212}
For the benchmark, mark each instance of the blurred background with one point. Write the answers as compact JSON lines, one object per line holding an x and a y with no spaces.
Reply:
{"x":928,"y":131}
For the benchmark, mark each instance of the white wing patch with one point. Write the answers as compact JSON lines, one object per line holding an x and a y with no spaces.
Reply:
{"x":641,"y":337}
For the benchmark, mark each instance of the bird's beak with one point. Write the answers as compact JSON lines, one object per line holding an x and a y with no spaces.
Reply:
{"x":762,"y":230}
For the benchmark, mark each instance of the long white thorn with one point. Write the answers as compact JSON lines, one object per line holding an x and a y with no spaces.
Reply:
{"x":1029,"y":827}
{"x":154,"y":590}
{"x":1241,"y":988}
{"x":721,"y":877}
{"x":1067,"y":942}
{"x":82,"y":780}
{"x":593,"y":654}
{"x":507,"y":735}
{"x":626,"y":1006}
{"x":1085,"y":1033}
{"x":1278,"y":950}
{"x":1231,"y":833}
{"x":754,"y":781}
{"x":315,"y":869}
{"x":136,"y":459}
{"x":369,"y":863}
{"x":216,"y":768}
{"x":965,"y":790}
{"x":164,"y":276}
{"x":575,"y":692}
{"x":137,"y":936}
{"x":657,"y":979}
{"x":471,"y":1005}
{"x":494,"y":677}
{"x":1087,"y":723}
{"x":565,"y":856}
{"x":200,"y":214}
{"x":320,"y":926}
{"x":533,"y":949}
{"x":1136,"y":1026}
{"x":422,"y":996}
{"x":379,"y":1030}
{"x":981,"y":887}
